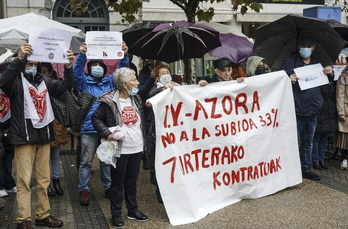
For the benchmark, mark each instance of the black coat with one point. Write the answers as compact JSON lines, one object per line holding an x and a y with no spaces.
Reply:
{"x":21,"y":129}
{"x":108,"y":115}
{"x":327,"y":118}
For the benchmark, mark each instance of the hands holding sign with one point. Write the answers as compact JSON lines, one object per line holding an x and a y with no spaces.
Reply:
{"x":26,"y":50}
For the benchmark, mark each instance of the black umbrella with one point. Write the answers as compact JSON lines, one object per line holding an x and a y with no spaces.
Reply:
{"x":340,"y":28}
{"x":177,"y":41}
{"x":135,"y":32}
{"x":275,"y":41}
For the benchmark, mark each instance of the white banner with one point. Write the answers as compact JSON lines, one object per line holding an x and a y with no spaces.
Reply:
{"x":49,"y":45}
{"x":104,"y":45}
{"x":224,"y":142}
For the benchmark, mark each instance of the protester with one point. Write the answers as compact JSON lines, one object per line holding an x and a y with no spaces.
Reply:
{"x":61,"y":137}
{"x":96,"y":83}
{"x":255,"y":65}
{"x":7,"y":183}
{"x":238,"y":71}
{"x":223,"y":72}
{"x":341,"y":140}
{"x":123,"y":107}
{"x":327,"y":124}
{"x":163,"y":82}
{"x":308,"y":102}
{"x":31,"y":131}
{"x":147,"y":76}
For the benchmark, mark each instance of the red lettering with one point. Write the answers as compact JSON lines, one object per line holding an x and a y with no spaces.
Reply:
{"x":213,"y":109}
{"x":215,"y":180}
{"x":194,"y":137}
{"x":228,"y":99}
{"x":226,"y":155}
{"x":205,"y":158}
{"x":195,"y":153}
{"x":173,"y":159}
{"x":243,"y":169}
{"x":277,"y":162}
{"x":255,"y":101}
{"x":256,"y":172}
{"x":235,"y":176}
{"x":175,"y":113}
{"x":169,"y":138}
{"x":183,"y":136}
{"x":199,"y":107}
{"x":187,"y":158}
{"x":226,"y":178}
{"x":250,"y":172}
{"x":215,"y":156}
{"x":272,"y":167}
{"x":241,"y":103}
{"x":205,"y":132}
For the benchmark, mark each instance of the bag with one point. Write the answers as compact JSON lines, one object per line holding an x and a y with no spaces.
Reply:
{"x":106,"y":152}
{"x":71,"y":110}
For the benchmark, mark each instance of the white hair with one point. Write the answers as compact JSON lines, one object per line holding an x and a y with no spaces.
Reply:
{"x":122,"y":75}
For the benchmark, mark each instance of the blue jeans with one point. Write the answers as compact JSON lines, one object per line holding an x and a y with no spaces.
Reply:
{"x":319,"y":146}
{"x":89,"y":145}
{"x":305,"y":132}
{"x":6,"y":179}
{"x":55,"y":157}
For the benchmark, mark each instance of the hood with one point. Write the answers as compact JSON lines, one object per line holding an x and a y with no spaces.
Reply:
{"x":251,"y":64}
{"x":100,"y":61}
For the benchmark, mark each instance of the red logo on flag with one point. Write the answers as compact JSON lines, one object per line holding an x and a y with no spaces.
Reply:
{"x":4,"y":104}
{"x":39,"y":100}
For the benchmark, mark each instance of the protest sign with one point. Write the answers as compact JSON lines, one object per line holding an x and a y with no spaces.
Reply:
{"x":311,"y":76}
{"x":224,"y":142}
{"x":49,"y":45}
{"x":104,"y":45}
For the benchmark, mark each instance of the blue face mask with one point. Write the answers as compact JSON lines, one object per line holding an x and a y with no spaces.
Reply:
{"x":305,"y":52}
{"x":133,"y":92}
{"x":97,"y":71}
{"x":31,"y":71}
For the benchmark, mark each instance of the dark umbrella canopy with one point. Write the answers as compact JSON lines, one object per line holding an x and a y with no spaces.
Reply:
{"x":181,"y":40}
{"x":135,"y":32}
{"x":275,"y":41}
{"x":340,"y":28}
{"x":236,"y":48}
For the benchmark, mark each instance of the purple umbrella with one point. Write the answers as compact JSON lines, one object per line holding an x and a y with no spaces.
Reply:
{"x":236,"y":48}
{"x":181,"y":40}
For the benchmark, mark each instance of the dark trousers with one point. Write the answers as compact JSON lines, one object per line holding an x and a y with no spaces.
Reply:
{"x":6,"y":179}
{"x":124,"y":177}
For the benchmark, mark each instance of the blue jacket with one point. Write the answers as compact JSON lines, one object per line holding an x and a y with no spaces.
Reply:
{"x":86,"y":82}
{"x":307,"y":102}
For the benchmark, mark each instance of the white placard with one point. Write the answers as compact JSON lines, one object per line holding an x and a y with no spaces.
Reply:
{"x":311,"y":76}
{"x":49,"y":45}
{"x":227,"y":141}
{"x":104,"y":45}
{"x":338,"y":70}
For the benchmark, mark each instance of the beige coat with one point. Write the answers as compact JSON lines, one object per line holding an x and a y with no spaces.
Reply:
{"x":60,"y":134}
{"x":342,"y":105}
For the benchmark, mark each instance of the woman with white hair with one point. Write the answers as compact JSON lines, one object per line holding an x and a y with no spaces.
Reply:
{"x":122,"y":107}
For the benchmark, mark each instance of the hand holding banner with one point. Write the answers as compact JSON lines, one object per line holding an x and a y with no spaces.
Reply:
{"x":49,"y":45}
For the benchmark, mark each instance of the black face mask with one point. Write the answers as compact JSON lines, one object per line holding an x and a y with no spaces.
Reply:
{"x":260,"y":70}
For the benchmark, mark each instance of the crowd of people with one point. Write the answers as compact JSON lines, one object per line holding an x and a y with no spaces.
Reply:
{"x":33,"y":136}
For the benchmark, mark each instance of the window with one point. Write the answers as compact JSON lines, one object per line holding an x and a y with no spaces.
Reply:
{"x":96,"y":18}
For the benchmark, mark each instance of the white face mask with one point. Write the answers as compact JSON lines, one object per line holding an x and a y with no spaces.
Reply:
{"x":165,"y":79}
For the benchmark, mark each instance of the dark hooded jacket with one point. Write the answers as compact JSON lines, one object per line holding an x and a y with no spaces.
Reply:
{"x":21,"y":129}
{"x":307,"y":102}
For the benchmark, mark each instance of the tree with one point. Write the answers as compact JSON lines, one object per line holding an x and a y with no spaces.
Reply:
{"x":129,"y":8}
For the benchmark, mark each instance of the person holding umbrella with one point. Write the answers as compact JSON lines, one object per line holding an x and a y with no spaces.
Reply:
{"x":308,"y":102}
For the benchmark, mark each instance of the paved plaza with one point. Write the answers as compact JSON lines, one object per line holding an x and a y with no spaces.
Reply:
{"x":311,"y":204}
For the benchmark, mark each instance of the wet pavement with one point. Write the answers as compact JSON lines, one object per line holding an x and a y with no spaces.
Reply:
{"x":311,"y":204}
